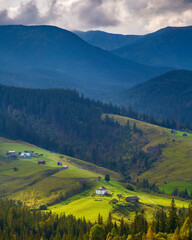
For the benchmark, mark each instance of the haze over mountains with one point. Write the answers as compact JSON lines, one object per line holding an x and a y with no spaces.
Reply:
{"x":166,"y":96}
{"x":50,"y":57}
{"x":107,"y":41}
{"x":170,"y":46}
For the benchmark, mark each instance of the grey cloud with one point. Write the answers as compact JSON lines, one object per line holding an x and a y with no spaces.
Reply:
{"x":95,"y":14}
{"x":187,"y":1}
{"x":4,"y":17}
{"x":29,"y":13}
{"x":124,"y":16}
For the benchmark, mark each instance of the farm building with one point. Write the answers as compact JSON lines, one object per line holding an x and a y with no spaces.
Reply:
{"x":133,"y":199}
{"x":59,"y":163}
{"x":173,"y":131}
{"x":101,"y":191}
{"x":25,"y":155}
{"x":41,"y":162}
{"x":8,"y":153}
{"x":64,"y":167}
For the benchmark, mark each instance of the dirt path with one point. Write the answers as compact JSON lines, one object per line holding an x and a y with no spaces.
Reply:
{"x":147,"y":199}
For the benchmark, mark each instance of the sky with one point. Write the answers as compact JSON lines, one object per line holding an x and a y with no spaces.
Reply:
{"x":116,"y":16}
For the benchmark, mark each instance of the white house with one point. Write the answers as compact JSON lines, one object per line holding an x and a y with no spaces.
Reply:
{"x":64,"y":167}
{"x":25,"y":155}
{"x":102,"y":191}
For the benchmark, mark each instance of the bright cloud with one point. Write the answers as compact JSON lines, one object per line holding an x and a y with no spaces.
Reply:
{"x":120,"y":16}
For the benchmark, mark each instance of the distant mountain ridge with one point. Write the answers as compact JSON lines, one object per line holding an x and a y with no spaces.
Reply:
{"x":166,"y":96}
{"x":170,"y":46}
{"x":107,"y":41}
{"x":30,"y":53}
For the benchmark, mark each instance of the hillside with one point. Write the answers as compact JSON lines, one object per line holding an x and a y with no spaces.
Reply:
{"x":65,"y":122}
{"x":166,"y":96}
{"x":107,"y":41}
{"x":50,"y":57}
{"x":173,"y":169}
{"x":170,"y":46}
{"x":23,"y":177}
{"x":69,"y":191}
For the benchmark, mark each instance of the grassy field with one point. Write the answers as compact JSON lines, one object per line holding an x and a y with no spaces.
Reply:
{"x":169,"y":187}
{"x":88,"y":204}
{"x":42,"y":184}
{"x":175,"y":164}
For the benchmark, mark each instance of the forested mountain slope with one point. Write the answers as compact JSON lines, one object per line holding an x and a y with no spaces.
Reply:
{"x":107,"y":41}
{"x":48,"y":57}
{"x":63,"y":121}
{"x":169,"y":46}
{"x":167,"y":96}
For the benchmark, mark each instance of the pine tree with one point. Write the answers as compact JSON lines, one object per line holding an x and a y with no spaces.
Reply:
{"x":107,"y":178}
{"x":173,"y":217}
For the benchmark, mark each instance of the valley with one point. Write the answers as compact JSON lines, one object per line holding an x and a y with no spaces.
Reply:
{"x":95,"y":131}
{"x":37,"y":185}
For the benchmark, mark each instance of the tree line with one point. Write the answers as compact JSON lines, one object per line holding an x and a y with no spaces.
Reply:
{"x":64,"y":121}
{"x":18,"y":222}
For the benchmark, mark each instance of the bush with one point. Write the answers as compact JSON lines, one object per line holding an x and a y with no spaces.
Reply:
{"x":113,"y":201}
{"x":129,"y":187}
{"x":43,"y":207}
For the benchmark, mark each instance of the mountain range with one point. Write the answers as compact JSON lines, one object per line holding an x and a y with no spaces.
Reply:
{"x":50,"y":57}
{"x":168,"y":95}
{"x":107,"y":41}
{"x":170,"y":46}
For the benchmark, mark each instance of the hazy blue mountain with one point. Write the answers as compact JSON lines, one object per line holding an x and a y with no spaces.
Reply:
{"x":169,"y":95}
{"x":107,"y":41}
{"x":47,"y":56}
{"x":170,"y":46}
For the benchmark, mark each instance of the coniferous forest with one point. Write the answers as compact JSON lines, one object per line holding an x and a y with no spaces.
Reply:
{"x":65,"y":122}
{"x":19,"y":222}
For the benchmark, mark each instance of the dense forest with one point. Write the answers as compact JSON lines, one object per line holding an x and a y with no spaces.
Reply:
{"x":17,"y":222}
{"x":168,"y":95}
{"x":65,"y":122}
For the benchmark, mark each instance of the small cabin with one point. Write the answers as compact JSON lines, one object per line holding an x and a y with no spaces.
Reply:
{"x":25,"y":155}
{"x":9,"y":153}
{"x":41,"y":162}
{"x":64,"y":167}
{"x":102,"y":191}
{"x":59,"y":164}
{"x":133,"y":199}
{"x":184,"y":134}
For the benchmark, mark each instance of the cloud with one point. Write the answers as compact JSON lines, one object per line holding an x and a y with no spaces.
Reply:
{"x":123,"y":16}
{"x":4,"y":17}
{"x":97,"y":13}
{"x":30,"y":13}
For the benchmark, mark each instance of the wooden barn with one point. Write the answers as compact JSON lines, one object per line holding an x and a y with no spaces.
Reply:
{"x":41,"y":162}
{"x":133,"y":199}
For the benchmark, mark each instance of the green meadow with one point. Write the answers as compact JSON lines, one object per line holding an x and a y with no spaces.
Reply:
{"x":88,"y":204}
{"x":169,"y":187}
{"x":175,"y":164}
{"x":48,"y":184}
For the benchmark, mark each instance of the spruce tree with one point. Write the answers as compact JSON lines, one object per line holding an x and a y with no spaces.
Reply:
{"x":173,"y":217}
